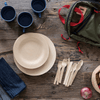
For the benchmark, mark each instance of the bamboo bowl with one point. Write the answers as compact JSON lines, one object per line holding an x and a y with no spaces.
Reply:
{"x":96,"y":79}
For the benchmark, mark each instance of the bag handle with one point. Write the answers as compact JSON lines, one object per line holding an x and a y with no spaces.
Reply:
{"x":76,"y":10}
{"x":81,"y":19}
{"x":61,"y":18}
{"x":96,"y":11}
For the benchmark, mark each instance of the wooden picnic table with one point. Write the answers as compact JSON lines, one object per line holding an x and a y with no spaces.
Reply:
{"x":42,"y":87}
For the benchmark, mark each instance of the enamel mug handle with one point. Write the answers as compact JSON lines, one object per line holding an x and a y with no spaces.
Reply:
{"x":23,"y":30}
{"x":39,"y":15}
{"x":5,"y":3}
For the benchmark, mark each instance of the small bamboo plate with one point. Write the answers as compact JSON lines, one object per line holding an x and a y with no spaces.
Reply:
{"x":31,"y":50}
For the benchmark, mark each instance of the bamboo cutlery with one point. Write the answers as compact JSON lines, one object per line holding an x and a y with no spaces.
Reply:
{"x":71,"y":71}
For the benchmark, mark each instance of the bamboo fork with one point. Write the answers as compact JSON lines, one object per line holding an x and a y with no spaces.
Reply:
{"x":67,"y":72}
{"x":68,"y":76}
{"x":64,"y":64}
{"x":72,"y":71}
{"x":57,"y":74}
{"x":78,"y":67}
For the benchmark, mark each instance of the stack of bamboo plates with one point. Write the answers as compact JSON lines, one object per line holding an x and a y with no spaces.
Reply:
{"x":34,"y":54}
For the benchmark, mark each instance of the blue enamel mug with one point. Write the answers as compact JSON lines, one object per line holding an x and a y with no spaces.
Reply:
{"x":25,"y":20}
{"x":8,"y":13}
{"x":38,"y":6}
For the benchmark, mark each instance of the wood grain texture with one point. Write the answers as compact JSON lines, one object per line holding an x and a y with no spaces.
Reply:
{"x":41,"y":87}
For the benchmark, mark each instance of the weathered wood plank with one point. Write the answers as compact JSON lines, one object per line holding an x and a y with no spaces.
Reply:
{"x":64,"y":49}
{"x":26,"y":4}
{"x":51,"y":91}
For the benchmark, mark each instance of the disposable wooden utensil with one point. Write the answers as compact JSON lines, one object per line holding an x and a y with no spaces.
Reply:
{"x":58,"y":71}
{"x":78,"y":67}
{"x":68,"y":77}
{"x":67,"y":72}
{"x":71,"y":78}
{"x":72,"y":71}
{"x":64,"y":64}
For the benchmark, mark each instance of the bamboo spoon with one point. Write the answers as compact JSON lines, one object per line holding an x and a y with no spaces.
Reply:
{"x":72,"y":71}
{"x":57,"y":74}
{"x":67,"y":73}
{"x":64,"y":64}
{"x":78,"y":67}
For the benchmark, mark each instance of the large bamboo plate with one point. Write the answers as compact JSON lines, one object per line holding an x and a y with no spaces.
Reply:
{"x":45,"y":67}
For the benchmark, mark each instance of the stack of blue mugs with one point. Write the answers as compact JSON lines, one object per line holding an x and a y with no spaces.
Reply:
{"x":24,"y":19}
